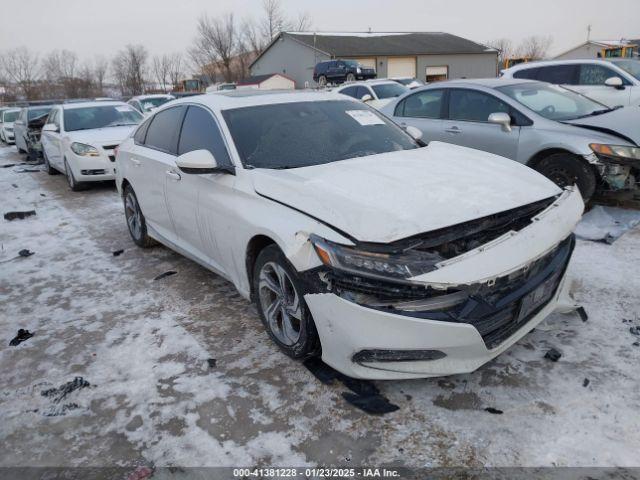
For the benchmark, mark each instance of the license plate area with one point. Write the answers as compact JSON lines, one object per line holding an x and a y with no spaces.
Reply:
{"x":536,"y":299}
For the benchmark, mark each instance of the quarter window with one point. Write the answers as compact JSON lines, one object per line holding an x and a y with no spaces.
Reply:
{"x":351,"y":91}
{"x":200,"y":132}
{"x":474,"y":106}
{"x":425,"y":104}
{"x":164,"y":130}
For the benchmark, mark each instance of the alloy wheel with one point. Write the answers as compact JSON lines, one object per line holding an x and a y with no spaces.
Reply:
{"x":132,"y":214}
{"x":280,"y":303}
{"x":69,"y":173}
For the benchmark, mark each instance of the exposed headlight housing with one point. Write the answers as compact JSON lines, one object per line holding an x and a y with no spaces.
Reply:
{"x":84,"y":150}
{"x":397,"y":265}
{"x":615,"y":152}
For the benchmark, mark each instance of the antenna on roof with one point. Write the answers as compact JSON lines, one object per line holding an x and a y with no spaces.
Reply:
{"x":588,"y":32}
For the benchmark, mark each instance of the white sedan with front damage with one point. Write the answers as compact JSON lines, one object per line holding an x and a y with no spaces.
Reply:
{"x":389,"y":258}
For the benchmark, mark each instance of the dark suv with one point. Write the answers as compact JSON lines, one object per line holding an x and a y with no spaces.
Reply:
{"x":339,"y":71}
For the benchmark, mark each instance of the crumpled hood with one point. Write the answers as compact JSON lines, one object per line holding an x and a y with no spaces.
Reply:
{"x":387,"y":197}
{"x":102,"y":136}
{"x":624,"y":121}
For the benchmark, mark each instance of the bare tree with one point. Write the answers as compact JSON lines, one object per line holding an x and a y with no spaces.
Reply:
{"x":22,"y":67}
{"x":535,"y":47}
{"x":274,"y":20}
{"x":176,"y":68}
{"x":215,"y":45}
{"x":130,"y":68}
{"x":504,"y":47}
{"x":160,"y":67}
{"x":100,"y":69}
{"x":302,"y":23}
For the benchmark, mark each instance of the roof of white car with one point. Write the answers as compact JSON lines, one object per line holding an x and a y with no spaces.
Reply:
{"x":152,"y":95}
{"x":225,"y":100}
{"x":100,"y":103}
{"x":377,"y":81}
{"x":481,"y":82}
{"x":544,"y":63}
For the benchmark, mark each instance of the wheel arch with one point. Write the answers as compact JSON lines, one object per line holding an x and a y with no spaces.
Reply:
{"x":254,"y":247}
{"x":535,"y":159}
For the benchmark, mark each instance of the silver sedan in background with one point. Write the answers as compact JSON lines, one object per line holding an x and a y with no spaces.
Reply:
{"x":566,"y":136}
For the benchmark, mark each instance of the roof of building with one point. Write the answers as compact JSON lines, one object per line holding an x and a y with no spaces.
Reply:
{"x":358,"y":44}
{"x":257,"y":79}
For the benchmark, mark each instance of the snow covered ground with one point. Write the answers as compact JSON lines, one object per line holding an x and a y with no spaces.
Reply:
{"x":153,"y":399}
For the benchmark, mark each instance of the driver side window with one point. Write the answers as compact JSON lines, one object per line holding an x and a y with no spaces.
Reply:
{"x":473,"y":106}
{"x":592,"y":74}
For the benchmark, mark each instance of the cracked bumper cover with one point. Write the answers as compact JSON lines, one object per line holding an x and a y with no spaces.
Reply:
{"x":347,"y":328}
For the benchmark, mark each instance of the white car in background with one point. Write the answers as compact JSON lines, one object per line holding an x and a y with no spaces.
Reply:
{"x":79,"y":139}
{"x":145,"y":104}
{"x":7,"y":117}
{"x":390,"y":259}
{"x":612,"y":82}
{"x":376,"y":93}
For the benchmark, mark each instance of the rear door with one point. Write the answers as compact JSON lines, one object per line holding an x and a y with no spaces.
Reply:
{"x":20,"y":130}
{"x":423,"y":110}
{"x":151,"y":162}
{"x":51,"y":140}
{"x":198,"y":203}
{"x":467,"y":123}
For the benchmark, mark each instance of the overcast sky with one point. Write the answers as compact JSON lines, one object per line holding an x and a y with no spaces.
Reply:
{"x":103,"y":26}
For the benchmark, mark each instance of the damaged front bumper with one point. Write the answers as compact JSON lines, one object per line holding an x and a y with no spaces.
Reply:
{"x":502,"y":290}
{"x":617,"y":174}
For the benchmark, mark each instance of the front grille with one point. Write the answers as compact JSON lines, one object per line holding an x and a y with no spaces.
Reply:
{"x":382,"y":289}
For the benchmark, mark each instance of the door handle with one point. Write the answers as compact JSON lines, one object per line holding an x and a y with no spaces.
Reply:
{"x":136,"y":162}
{"x":453,"y":130}
{"x":173,"y":175}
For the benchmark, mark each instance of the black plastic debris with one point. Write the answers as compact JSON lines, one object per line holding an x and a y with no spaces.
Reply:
{"x":586,"y":382}
{"x":494,"y":411}
{"x":25,"y":252}
{"x":373,"y":404}
{"x":635,"y":330}
{"x":27,"y":170}
{"x":59,"y":394}
{"x":7,"y":165}
{"x":553,"y":355}
{"x":117,"y":253}
{"x":9,"y":216}
{"x":20,"y":337}
{"x":636,"y":344}
{"x":165,"y":274}
{"x":320,"y":370}
{"x":211,"y":362}
{"x":14,"y":185}
{"x":60,"y":411}
{"x":42,"y":195}
{"x":582,"y":313}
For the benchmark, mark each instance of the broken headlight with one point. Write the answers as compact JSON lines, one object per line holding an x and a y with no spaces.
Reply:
{"x":613,"y":152}
{"x":400,"y":265}
{"x":84,"y":150}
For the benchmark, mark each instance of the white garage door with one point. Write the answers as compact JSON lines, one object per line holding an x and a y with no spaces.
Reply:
{"x":402,"y":67}
{"x":367,"y":62}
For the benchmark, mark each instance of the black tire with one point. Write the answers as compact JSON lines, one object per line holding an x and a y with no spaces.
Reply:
{"x":20,"y":150}
{"x":322,"y":81}
{"x":50,"y":170}
{"x":74,"y":185}
{"x":138,"y":232}
{"x":307,"y":343}
{"x":350,"y":77}
{"x":565,"y":169}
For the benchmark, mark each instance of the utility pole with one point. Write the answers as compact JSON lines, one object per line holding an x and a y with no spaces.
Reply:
{"x":588,"y":32}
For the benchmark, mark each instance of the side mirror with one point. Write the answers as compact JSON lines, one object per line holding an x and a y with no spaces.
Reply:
{"x":415,"y":133}
{"x":201,"y":161}
{"x":501,"y":118}
{"x":615,"y":82}
{"x":50,"y":127}
{"x":366,"y":98}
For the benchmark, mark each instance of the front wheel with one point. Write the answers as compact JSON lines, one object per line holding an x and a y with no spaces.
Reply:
{"x":565,"y":169}
{"x":280,"y":303}
{"x":136,"y":222}
{"x":322,"y":81}
{"x":74,"y":185}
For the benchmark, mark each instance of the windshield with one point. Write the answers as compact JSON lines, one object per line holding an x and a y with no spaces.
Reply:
{"x":389,"y":90}
{"x":88,"y":118}
{"x":149,"y":104}
{"x":632,"y":67}
{"x":38,"y":112}
{"x":293,"y":135}
{"x":552,"y":101}
{"x":10,"y":116}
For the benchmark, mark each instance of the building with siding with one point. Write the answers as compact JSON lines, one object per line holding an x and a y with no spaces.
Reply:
{"x":427,"y":56}
{"x":594,"y":48}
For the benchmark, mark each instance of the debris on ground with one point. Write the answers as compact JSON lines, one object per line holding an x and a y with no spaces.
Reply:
{"x":211,"y":362}
{"x":140,"y":473}
{"x":14,"y":185}
{"x":582,"y":313}
{"x":494,"y":411}
{"x":27,"y":170}
{"x":635,"y":330}
{"x":25,"y":252}
{"x":374,"y":404}
{"x":58,"y":394}
{"x":320,"y":370}
{"x":117,"y":253}
{"x":7,"y":165}
{"x":553,"y":355}
{"x":20,"y":337}
{"x":586,"y":382}
{"x":636,"y":344}
{"x":606,"y":224}
{"x":57,"y":411}
{"x":9,"y":216}
{"x":165,"y":274}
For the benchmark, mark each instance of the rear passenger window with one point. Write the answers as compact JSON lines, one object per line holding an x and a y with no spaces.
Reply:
{"x":351,"y":91}
{"x":164,"y":130}
{"x":201,"y":132}
{"x":559,"y":74}
{"x":425,"y":104}
{"x":529,"y":73}
{"x":474,"y":106}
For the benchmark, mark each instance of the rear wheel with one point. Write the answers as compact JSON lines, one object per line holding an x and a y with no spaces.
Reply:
{"x":280,"y":303}
{"x":322,"y":81}
{"x":135,"y":219}
{"x":565,"y":169}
